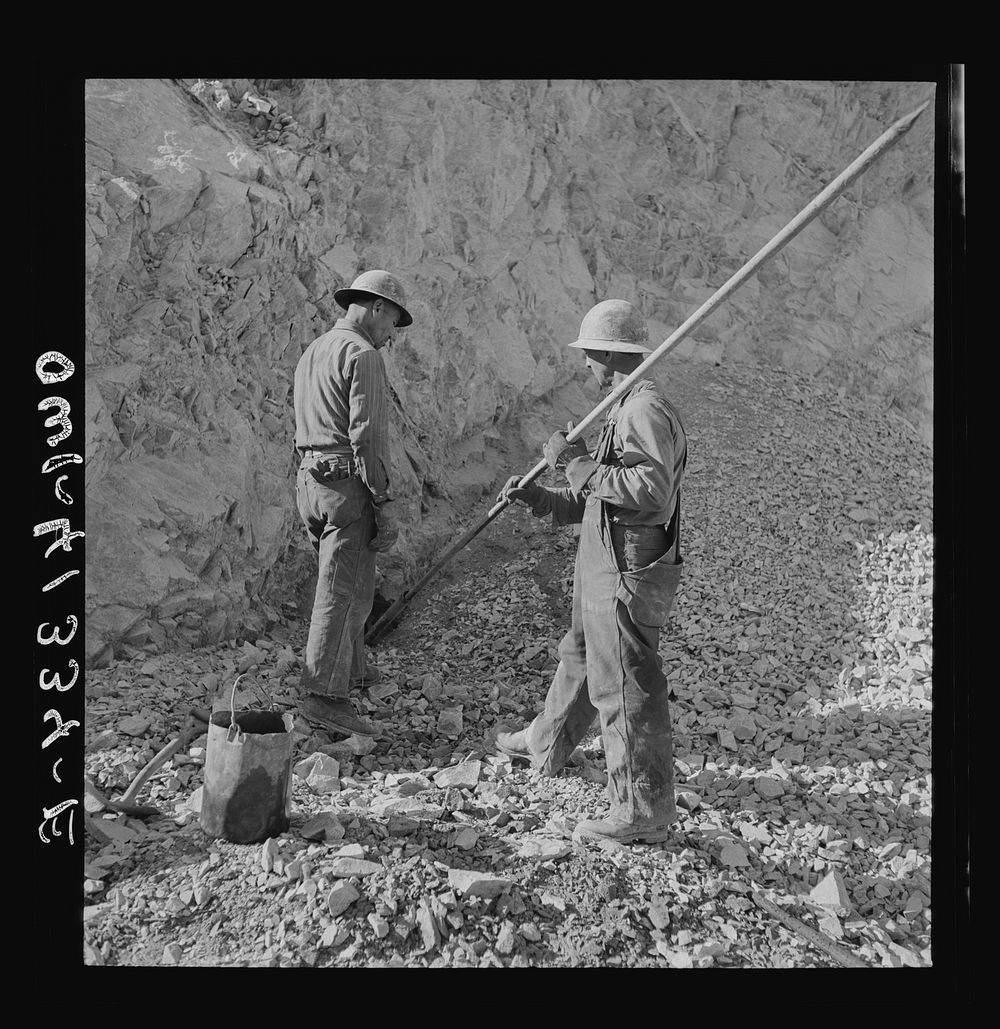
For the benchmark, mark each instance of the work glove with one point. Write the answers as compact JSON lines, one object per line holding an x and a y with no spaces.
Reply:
{"x":558,"y":451}
{"x":530,"y":494}
{"x":386,"y":526}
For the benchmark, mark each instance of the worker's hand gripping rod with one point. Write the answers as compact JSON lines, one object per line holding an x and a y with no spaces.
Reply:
{"x":792,"y":229}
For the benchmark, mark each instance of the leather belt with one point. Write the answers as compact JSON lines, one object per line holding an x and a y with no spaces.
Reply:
{"x":344,"y":461}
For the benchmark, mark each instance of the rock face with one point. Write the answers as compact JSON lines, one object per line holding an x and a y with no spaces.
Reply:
{"x":216,"y":237}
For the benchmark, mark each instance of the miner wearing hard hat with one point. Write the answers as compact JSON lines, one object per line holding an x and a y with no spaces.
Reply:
{"x":341,"y":399}
{"x":627,"y":499}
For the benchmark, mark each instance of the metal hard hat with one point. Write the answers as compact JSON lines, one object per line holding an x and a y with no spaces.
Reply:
{"x":613,"y":325}
{"x":376,"y":283}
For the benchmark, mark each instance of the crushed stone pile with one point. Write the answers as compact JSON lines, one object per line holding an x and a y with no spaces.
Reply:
{"x":799,"y":658}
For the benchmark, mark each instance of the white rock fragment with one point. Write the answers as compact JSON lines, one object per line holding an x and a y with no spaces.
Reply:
{"x":409,"y":807}
{"x":321,"y":773}
{"x":542,"y":848}
{"x":831,"y":894}
{"x":505,"y":939}
{"x":379,"y":924}
{"x":340,"y":898}
{"x":688,"y":799}
{"x":134,"y":725}
{"x":335,"y":935}
{"x":468,"y":883}
{"x":461,"y":776}
{"x":659,"y":914}
{"x":830,"y":924}
{"x":427,"y":924}
{"x":344,"y":868}
{"x":553,"y":900}
{"x":93,"y":913}
{"x":305,"y":766}
{"x":268,"y":853}
{"x":351,"y":850}
{"x":906,"y":956}
{"x":322,"y":784}
{"x":675,"y":958}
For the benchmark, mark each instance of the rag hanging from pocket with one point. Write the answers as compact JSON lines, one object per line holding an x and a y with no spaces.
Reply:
{"x":649,"y":592}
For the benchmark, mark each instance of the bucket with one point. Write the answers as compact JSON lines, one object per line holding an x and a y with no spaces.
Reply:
{"x":247,"y":794}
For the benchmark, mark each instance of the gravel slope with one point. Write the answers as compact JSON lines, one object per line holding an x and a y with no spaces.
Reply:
{"x":799,"y":656}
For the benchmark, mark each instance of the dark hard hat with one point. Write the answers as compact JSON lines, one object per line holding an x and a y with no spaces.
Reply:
{"x":375,"y":283}
{"x":613,"y":325}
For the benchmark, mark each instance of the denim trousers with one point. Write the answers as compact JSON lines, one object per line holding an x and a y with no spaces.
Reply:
{"x":624,"y":585}
{"x":339,"y":517}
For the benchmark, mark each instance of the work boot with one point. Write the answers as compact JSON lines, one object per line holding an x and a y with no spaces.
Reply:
{"x":513,"y":744}
{"x":335,"y":713}
{"x":621,"y":831}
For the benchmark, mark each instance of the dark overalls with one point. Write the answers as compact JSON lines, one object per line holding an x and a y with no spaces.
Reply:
{"x":624,"y":585}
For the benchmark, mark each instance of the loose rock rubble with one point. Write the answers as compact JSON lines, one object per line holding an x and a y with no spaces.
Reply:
{"x":799,"y":657}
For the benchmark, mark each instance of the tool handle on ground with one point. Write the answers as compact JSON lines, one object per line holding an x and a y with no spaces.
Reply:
{"x":792,"y":229}
{"x":813,"y":936}
{"x":164,"y":755}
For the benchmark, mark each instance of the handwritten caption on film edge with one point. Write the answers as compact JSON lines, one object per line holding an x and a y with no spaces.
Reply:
{"x":62,"y":678}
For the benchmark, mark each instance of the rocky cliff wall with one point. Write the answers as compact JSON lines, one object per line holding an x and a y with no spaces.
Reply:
{"x":218,"y":231}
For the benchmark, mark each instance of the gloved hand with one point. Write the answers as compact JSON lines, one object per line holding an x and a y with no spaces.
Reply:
{"x":558,"y":451}
{"x":386,"y":526}
{"x":529,"y":494}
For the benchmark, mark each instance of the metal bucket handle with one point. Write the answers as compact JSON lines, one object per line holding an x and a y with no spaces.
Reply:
{"x":235,"y":733}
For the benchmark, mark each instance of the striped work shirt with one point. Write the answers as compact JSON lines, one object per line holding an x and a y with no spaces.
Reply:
{"x":342,"y":402}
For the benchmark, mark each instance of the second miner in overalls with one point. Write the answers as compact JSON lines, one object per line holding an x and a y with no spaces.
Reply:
{"x":626,"y":499}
